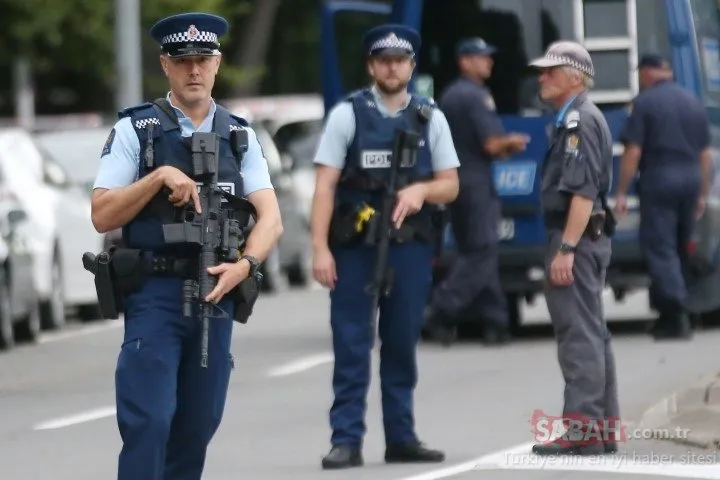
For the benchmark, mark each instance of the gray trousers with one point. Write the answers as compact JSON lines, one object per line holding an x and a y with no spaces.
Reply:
{"x":584,"y":346}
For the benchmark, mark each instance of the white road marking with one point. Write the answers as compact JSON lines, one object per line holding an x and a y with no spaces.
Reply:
{"x":83,"y":417}
{"x":301,"y":364}
{"x":296,"y":366}
{"x":80,"y":332}
{"x":689,"y":465}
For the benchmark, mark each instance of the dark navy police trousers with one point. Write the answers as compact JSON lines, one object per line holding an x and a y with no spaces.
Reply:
{"x":168,"y":406}
{"x":399,"y":327}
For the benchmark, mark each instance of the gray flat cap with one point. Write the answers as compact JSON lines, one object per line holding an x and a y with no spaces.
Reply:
{"x":566,"y":53}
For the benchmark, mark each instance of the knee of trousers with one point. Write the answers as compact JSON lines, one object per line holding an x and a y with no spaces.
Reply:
{"x":145,"y":396}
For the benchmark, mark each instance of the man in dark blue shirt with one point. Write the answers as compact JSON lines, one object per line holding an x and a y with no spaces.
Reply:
{"x":667,"y":140}
{"x":479,"y":137}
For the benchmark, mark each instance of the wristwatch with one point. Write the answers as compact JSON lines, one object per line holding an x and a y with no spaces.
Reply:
{"x":567,"y":248}
{"x":254,"y":264}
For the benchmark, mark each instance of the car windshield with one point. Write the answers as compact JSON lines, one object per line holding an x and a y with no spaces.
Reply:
{"x":77,"y":152}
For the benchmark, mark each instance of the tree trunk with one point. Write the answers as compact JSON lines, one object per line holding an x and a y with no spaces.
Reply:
{"x":255,"y":44}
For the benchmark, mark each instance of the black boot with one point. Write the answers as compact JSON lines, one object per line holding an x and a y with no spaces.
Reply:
{"x":673,"y":326}
{"x":571,"y":448}
{"x":496,"y":335}
{"x":414,"y":452}
{"x":342,"y":456}
{"x":439,"y":328}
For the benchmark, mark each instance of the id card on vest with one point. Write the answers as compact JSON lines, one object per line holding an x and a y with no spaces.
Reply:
{"x":383,"y":159}
{"x":376,"y":159}
{"x":228,"y":187}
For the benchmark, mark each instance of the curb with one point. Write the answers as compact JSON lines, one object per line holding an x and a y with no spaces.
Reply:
{"x":696,"y":410}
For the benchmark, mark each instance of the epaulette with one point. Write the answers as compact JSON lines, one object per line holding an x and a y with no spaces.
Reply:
{"x":126,"y":112}
{"x":361,"y":93}
{"x":240,"y":120}
{"x":572,"y":119}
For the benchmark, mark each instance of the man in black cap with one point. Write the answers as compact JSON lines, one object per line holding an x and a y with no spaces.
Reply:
{"x":479,"y":137}
{"x":170,"y":389}
{"x":576,"y":175}
{"x":353,"y":164}
{"x":667,"y":140}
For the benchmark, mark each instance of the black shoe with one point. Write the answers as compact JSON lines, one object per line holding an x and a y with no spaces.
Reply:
{"x":569,"y":448}
{"x":412,"y":453}
{"x":675,"y":327}
{"x":342,"y":456}
{"x":438,"y":329}
{"x":496,"y":335}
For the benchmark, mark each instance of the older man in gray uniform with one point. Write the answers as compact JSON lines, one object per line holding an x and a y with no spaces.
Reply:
{"x":576,"y":175}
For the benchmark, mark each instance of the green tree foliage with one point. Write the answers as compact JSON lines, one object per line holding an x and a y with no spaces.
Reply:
{"x":71,"y":47}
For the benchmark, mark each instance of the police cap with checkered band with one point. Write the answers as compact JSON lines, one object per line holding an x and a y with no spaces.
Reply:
{"x":190,"y":34}
{"x":391,"y":39}
{"x":566,"y":54}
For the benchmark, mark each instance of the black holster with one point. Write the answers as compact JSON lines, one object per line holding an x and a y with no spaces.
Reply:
{"x":244,"y":297}
{"x":117,"y":272}
{"x":610,"y":222}
{"x":342,"y":224}
{"x":421,"y":227}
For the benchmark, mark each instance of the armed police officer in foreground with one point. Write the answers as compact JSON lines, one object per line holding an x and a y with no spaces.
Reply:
{"x":576,"y":176}
{"x":173,"y":371}
{"x":384,"y":159}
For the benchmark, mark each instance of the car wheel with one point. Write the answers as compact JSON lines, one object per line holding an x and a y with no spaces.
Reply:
{"x":53,"y":310}
{"x":29,"y":329}
{"x":7,"y":336}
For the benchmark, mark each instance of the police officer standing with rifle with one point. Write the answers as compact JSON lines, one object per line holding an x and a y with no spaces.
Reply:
{"x":185,"y":255}
{"x":576,"y":176}
{"x":384,"y":159}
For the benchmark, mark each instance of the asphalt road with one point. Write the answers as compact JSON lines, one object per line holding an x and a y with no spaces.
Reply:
{"x":57,"y":418}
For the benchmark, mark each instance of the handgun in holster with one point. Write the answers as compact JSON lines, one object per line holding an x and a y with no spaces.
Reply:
{"x":101,"y":266}
{"x":610,"y":222}
{"x":596,"y":226}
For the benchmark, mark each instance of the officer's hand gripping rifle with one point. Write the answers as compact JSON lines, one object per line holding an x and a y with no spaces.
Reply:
{"x":216,"y":230}
{"x":404,"y":153}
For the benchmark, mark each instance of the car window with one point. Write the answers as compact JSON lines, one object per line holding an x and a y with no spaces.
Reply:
{"x":77,"y":152}
{"x":24,"y":151}
{"x":269,"y":149}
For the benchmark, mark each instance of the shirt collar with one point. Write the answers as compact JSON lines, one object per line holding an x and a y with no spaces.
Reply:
{"x":563,"y":111}
{"x":181,"y":114}
{"x":381,"y":105}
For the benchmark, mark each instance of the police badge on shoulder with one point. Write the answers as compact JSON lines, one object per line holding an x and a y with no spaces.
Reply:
{"x":571,"y":145}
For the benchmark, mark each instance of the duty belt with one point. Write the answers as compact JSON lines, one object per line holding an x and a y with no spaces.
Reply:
{"x":557,"y":221}
{"x":169,"y":266}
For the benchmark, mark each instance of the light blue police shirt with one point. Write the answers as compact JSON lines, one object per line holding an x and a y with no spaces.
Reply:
{"x":120,"y":166}
{"x":340,"y":130}
{"x":561,"y":113}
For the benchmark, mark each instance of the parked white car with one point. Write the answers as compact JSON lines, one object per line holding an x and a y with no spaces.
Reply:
{"x":59,"y":215}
